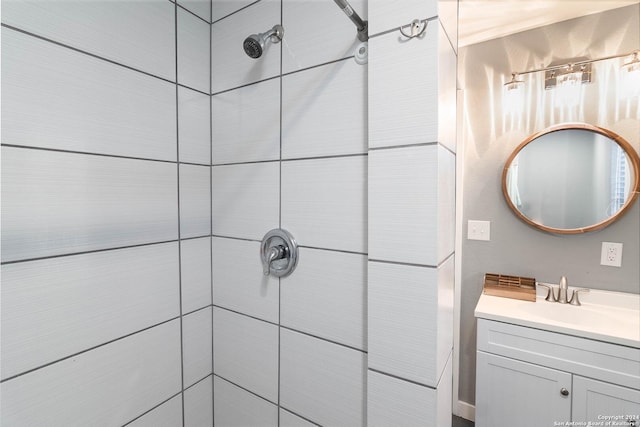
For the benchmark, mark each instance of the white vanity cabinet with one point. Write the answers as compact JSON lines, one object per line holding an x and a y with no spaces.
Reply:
{"x":536,"y":378}
{"x":592,"y":398}
{"x":511,"y":392}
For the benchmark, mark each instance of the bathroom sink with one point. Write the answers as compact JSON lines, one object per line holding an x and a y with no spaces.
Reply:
{"x":605,"y":316}
{"x":563,"y":313}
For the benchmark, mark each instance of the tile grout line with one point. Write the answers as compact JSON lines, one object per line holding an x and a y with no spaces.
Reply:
{"x":86,"y":350}
{"x":232,"y":13}
{"x":92,"y":251}
{"x":288,"y":328}
{"x":192,"y":13}
{"x":401,"y":146}
{"x":93,"y":55}
{"x":162,"y":242}
{"x":204,"y":307}
{"x":96,"y":56}
{"x":220,"y":92}
{"x":153,"y":408}
{"x":387,"y":374}
{"x":300,"y":416}
{"x":280,"y":226}
{"x":87,"y":153}
{"x":213,"y":396}
{"x":407,"y":264}
{"x":265,"y":399}
{"x":178,"y":209}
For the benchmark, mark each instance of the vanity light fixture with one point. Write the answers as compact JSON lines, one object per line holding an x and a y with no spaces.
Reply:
{"x":574,"y":73}
{"x":568,"y":75}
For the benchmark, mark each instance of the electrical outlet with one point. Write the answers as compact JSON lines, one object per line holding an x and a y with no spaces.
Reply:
{"x":611,"y":254}
{"x":479,"y":230}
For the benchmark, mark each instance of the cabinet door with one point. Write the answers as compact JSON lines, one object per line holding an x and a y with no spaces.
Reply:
{"x":513,"y":393}
{"x":593,"y":400}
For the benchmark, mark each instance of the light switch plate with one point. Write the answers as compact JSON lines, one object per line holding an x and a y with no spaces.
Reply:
{"x":479,"y":230}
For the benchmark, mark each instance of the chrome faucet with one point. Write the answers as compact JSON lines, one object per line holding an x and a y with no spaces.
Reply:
{"x":563,"y":293}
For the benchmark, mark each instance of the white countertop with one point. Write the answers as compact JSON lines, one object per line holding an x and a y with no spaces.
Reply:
{"x":605,"y":316}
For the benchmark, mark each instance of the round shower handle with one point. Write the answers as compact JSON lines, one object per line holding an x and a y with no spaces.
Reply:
{"x":278,"y":253}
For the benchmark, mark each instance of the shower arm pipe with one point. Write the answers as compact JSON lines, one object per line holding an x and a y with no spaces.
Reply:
{"x":362,"y":26}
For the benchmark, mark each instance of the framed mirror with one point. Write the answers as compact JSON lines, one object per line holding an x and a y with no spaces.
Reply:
{"x":572,"y":178}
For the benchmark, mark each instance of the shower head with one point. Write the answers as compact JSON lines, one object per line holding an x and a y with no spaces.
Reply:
{"x":254,"y":44}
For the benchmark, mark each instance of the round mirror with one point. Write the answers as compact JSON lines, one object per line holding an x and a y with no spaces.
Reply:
{"x":571,"y":178}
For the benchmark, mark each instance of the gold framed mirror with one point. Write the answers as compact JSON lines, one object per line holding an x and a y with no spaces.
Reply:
{"x":572,"y":178}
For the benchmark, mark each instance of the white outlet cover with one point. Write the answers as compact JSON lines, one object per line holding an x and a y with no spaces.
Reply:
{"x":611,"y":254}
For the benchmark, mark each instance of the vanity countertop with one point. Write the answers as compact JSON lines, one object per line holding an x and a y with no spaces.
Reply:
{"x":605,"y":316}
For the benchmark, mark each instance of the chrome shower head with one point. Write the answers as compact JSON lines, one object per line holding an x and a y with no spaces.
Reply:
{"x":254,"y":44}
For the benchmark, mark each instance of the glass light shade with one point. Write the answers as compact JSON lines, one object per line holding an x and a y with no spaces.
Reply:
{"x":570,"y":79}
{"x":569,"y":89}
{"x":513,"y":95}
{"x":630,"y":77}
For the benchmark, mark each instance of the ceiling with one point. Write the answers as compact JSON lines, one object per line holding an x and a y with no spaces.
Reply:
{"x":481,"y":20}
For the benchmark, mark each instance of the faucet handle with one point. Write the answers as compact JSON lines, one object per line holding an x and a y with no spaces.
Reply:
{"x":274,"y":253}
{"x":574,"y":297}
{"x":551,"y":296}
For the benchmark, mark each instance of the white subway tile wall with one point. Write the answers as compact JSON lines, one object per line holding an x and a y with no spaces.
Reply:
{"x":403,"y":201}
{"x":246,"y":123}
{"x":193,"y":51}
{"x":137,"y":34}
{"x":287,"y":419}
{"x":238,"y":281}
{"x":195,"y":269}
{"x":324,"y":202}
{"x":197,"y":335}
{"x":393,"y":401}
{"x":322,"y":381}
{"x":195,"y":201}
{"x":410,"y":320}
{"x":168,"y":414}
{"x":106,"y":238}
{"x":109,"y":385}
{"x":194,"y":130}
{"x":87,"y":299}
{"x":385,"y":15}
{"x":245,"y":199}
{"x":202,"y":8}
{"x":447,"y":83}
{"x":310,"y":119}
{"x":237,"y":407}
{"x":403,"y":105}
{"x":289,"y":150}
{"x":58,"y":98}
{"x":412,"y":133}
{"x":144,"y":157}
{"x":222,"y":8}
{"x":58,"y":203}
{"x":317,"y":32}
{"x":329,"y":303}
{"x":231,"y":67}
{"x":245,"y":352}
{"x":198,"y":404}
